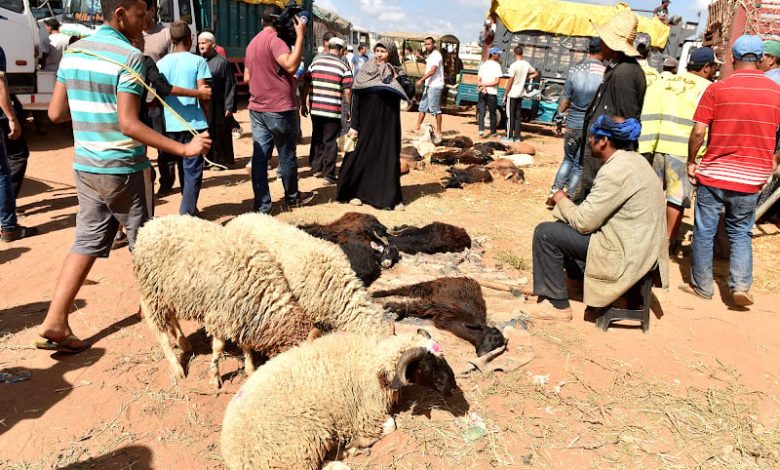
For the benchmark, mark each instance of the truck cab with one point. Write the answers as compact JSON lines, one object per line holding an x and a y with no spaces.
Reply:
{"x":19,"y":38}
{"x":20,"y":34}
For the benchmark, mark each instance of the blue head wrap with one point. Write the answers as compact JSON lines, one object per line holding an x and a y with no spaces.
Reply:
{"x":627,"y":131}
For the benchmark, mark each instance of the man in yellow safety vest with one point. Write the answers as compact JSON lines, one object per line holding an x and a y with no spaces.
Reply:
{"x":670,"y":111}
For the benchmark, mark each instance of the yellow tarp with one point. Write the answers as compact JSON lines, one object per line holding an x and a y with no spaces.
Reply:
{"x":568,"y":18}
{"x":279,"y":3}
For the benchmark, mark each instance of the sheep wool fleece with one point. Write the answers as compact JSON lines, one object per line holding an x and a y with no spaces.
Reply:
{"x":318,"y":273}
{"x":311,"y":399}
{"x":192,"y":269}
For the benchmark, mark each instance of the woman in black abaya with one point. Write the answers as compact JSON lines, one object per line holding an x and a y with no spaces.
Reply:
{"x":372,"y":173}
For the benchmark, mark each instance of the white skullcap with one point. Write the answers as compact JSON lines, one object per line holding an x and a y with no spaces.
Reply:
{"x":207,"y":35}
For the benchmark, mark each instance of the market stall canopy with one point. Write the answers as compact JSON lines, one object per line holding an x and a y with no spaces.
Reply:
{"x":568,"y":18}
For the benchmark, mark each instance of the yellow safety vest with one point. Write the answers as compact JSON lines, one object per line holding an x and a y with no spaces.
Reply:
{"x":651,"y":110}
{"x":681,"y":94}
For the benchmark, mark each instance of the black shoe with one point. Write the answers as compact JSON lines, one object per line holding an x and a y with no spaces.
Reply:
{"x":18,"y":232}
{"x":162,"y":192}
{"x":304,"y":198}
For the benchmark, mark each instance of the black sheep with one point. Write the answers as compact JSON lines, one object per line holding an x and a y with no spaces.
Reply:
{"x":469,"y":175}
{"x":464,"y":157}
{"x":436,"y":237}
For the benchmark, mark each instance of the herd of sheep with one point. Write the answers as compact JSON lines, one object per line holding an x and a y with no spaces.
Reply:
{"x":275,"y":288}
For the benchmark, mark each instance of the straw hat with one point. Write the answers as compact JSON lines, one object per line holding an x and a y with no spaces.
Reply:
{"x":619,"y":32}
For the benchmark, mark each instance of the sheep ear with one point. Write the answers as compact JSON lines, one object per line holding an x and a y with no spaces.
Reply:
{"x":376,"y":246}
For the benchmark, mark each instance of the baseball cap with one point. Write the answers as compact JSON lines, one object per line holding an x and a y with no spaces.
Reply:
{"x":772,"y":48}
{"x":594,"y":45}
{"x":350,"y":48}
{"x":745,"y":45}
{"x":496,"y":50}
{"x":670,"y":62}
{"x":703,"y":56}
{"x":336,"y":42}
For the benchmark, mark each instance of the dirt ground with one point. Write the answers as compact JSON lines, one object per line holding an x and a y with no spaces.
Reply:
{"x":698,"y":391}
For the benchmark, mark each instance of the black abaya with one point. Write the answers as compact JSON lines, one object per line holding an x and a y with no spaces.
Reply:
{"x":372,"y":173}
{"x":223,"y":93}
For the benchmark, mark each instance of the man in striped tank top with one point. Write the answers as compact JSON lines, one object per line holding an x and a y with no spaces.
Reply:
{"x":112,"y":172}
{"x":329,"y":82}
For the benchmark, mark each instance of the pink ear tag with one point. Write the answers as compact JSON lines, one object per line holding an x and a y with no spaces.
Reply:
{"x":434,"y":348}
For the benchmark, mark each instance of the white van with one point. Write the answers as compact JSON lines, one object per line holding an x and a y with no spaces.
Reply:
{"x":19,"y":38}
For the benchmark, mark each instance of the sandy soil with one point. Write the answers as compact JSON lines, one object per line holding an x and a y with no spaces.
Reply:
{"x":698,"y":391}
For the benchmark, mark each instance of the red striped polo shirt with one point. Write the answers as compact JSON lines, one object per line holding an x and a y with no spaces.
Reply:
{"x":743,"y":114}
{"x":329,"y":76}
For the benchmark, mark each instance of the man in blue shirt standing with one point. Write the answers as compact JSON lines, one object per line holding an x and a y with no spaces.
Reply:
{"x":185,"y":70}
{"x":578,"y":92}
{"x":359,"y":59}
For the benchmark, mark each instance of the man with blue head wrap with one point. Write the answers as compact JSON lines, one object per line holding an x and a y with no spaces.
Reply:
{"x":618,"y":231}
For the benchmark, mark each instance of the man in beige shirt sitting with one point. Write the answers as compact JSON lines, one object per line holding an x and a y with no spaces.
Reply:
{"x":619,"y":230}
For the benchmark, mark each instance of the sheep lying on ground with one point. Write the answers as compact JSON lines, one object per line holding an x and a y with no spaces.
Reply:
{"x":460,"y":156}
{"x":318,"y":272}
{"x":503,"y":167}
{"x":363,"y":239}
{"x":470,"y":175}
{"x":436,"y":237}
{"x":455,"y":304}
{"x":191,"y":269}
{"x":314,"y":399}
{"x":459,"y":141}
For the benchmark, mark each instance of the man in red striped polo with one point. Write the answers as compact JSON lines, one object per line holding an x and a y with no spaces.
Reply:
{"x":329,"y":82}
{"x":742,"y":113}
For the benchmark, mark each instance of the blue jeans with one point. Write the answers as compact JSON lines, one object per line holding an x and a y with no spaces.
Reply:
{"x":571,"y":169}
{"x":269,"y":130}
{"x":740,"y":217}
{"x":7,"y":197}
{"x":190,"y":175}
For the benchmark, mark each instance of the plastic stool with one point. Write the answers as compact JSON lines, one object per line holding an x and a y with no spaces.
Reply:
{"x":638,"y":300}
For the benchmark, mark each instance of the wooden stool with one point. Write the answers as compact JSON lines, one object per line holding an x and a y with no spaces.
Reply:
{"x":638,"y":300}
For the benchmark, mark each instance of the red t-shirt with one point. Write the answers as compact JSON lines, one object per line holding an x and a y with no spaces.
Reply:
{"x":743,"y":114}
{"x":271,"y":88}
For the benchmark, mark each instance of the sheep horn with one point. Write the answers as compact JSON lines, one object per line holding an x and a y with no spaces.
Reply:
{"x":407,"y":358}
{"x":381,"y":238}
{"x":424,"y":333}
{"x":397,"y":232}
{"x":481,"y":362}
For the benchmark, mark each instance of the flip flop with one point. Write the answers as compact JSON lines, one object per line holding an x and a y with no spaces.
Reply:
{"x":689,"y":289}
{"x":64,"y":346}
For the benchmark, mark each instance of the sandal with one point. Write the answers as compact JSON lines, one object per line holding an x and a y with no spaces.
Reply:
{"x":64,"y":346}
{"x":689,"y":289}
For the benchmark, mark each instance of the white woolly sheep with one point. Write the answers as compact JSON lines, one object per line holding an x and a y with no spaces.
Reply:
{"x":333,"y":393}
{"x":191,"y":269}
{"x":318,"y":273}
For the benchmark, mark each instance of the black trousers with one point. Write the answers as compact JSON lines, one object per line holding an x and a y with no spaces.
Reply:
{"x":324,"y":148}
{"x":515,"y":117}
{"x":487,"y":104}
{"x":558,"y":250}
